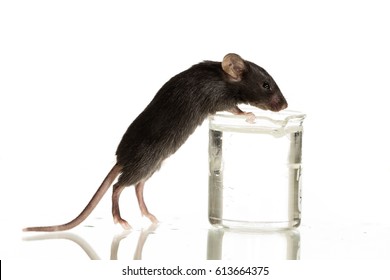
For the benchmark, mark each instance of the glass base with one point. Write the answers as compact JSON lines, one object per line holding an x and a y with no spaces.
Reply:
{"x":254,"y":225}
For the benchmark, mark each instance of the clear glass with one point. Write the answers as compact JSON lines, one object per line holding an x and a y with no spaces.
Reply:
{"x":255,"y":169}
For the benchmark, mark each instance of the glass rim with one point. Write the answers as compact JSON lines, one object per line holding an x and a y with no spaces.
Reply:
{"x":265,"y":121}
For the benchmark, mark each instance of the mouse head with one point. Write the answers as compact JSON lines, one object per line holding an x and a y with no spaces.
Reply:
{"x":257,"y":87}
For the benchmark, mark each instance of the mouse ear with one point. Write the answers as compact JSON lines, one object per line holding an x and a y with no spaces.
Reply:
{"x":234,"y":66}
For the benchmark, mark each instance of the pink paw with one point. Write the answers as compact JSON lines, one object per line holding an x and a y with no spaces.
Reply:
{"x":122,"y":222}
{"x":152,"y":218}
{"x":250,"y":117}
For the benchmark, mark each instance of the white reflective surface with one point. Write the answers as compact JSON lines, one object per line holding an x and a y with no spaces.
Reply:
{"x":166,"y":242}
{"x":74,"y":74}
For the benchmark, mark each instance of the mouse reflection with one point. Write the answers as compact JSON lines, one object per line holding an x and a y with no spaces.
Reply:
{"x":229,"y":244}
{"x":84,"y":245}
{"x":87,"y":248}
{"x":212,"y":244}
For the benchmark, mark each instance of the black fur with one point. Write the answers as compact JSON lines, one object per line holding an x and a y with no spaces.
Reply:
{"x":180,"y":106}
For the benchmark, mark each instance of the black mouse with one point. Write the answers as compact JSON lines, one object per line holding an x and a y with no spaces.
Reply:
{"x":181,"y":105}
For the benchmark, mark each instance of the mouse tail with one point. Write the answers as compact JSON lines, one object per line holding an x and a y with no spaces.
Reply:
{"x":107,"y":182}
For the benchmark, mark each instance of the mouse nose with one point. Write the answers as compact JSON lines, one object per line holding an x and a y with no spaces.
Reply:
{"x":284,"y":105}
{"x":282,"y":102}
{"x":278,"y":103}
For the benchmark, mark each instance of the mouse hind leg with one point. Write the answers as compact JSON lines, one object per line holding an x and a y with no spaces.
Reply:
{"x":117,"y":190}
{"x":139,"y":191}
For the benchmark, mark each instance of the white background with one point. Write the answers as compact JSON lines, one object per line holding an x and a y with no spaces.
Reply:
{"x":74,"y":74}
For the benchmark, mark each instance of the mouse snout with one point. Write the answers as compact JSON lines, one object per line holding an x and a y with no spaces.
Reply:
{"x":284,"y":105}
{"x":277,"y":103}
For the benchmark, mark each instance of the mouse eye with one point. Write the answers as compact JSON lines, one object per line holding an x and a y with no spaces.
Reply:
{"x":266,"y":85}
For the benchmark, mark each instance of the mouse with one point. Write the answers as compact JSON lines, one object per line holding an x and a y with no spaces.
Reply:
{"x":177,"y":109}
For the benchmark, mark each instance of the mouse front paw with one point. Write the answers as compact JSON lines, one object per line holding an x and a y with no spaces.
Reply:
{"x":250,"y":117}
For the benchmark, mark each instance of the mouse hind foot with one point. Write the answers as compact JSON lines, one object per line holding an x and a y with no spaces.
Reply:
{"x":123,"y":223}
{"x":151,"y":217}
{"x":139,"y":191}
